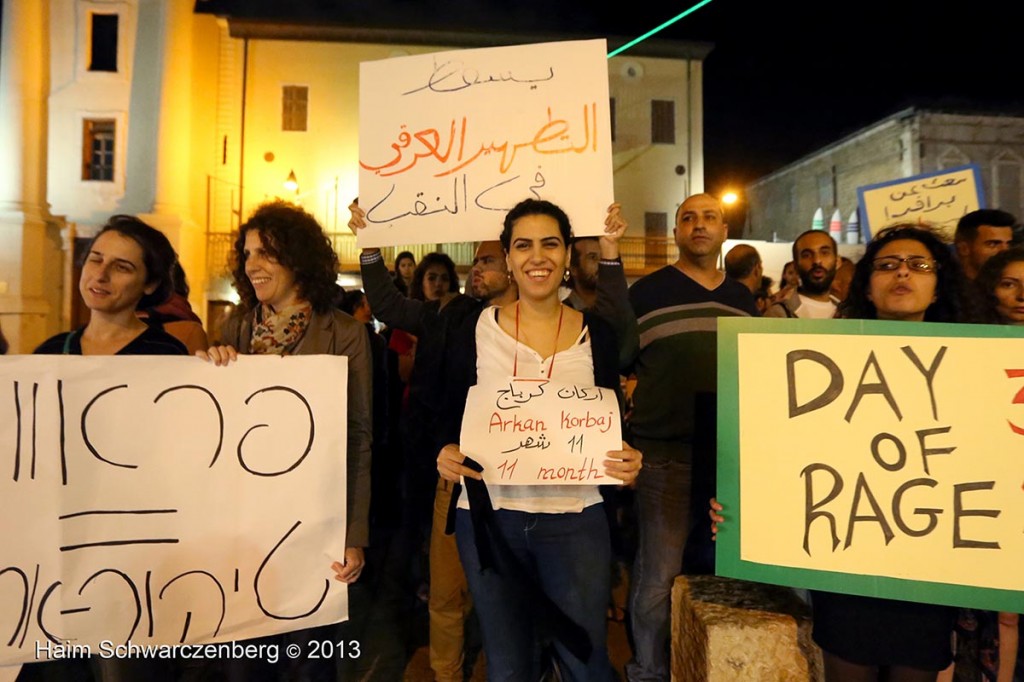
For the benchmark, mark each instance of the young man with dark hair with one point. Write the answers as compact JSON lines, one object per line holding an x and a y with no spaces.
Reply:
{"x":980,"y":235}
{"x":814,"y":253}
{"x":583,"y":262}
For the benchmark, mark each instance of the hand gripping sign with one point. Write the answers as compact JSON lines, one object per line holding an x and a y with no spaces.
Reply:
{"x":874,"y":458}
{"x":450,"y":141}
{"x":540,"y":432}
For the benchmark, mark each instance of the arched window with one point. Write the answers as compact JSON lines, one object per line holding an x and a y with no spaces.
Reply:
{"x":1007,"y":177}
{"x":951,"y":157}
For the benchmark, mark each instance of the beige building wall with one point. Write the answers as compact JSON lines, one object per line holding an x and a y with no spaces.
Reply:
{"x":783,"y":203}
{"x":30,"y":238}
{"x":186,"y":163}
{"x":909,"y":143}
{"x":324,"y":157}
{"x":995,"y":143}
{"x":653,"y":178}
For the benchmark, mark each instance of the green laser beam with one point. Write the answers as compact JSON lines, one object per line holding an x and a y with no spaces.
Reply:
{"x":655,"y":30}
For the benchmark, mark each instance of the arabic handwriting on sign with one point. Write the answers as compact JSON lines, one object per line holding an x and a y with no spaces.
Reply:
{"x":452,"y":75}
{"x":926,"y":204}
{"x":500,"y":207}
{"x":581,"y":393}
{"x":552,"y":137}
{"x":520,"y":392}
{"x":530,"y":443}
{"x":935,"y":183}
{"x":939,"y":204}
{"x":420,"y":207}
{"x":554,"y":131}
{"x":429,"y":140}
{"x":500,"y":196}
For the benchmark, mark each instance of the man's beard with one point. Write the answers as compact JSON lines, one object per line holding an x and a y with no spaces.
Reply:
{"x":817,"y":288}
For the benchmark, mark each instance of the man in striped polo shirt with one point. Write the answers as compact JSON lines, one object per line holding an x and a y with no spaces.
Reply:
{"x":673,"y":424}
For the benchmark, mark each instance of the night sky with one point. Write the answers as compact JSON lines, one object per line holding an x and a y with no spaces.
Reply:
{"x":783,"y":79}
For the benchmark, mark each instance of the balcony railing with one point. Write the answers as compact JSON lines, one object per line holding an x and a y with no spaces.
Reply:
{"x":639,"y":255}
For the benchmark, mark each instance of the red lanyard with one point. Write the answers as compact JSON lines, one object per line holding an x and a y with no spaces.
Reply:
{"x":558,"y":332}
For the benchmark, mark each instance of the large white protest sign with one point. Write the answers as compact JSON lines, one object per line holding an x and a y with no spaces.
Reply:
{"x":449,"y":141}
{"x":164,"y":500}
{"x":540,"y":432}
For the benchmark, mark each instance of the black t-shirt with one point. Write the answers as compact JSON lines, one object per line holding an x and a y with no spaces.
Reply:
{"x":152,"y":341}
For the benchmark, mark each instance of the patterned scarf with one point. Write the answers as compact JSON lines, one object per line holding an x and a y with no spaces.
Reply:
{"x":277,"y":333}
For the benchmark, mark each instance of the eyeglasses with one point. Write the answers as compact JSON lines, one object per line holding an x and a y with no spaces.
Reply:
{"x":914,"y":264}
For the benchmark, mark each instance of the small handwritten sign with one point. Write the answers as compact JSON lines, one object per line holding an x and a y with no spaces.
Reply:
{"x":875,"y":458}
{"x":541,"y":432}
{"x":164,"y":500}
{"x":937,"y":199}
{"x":450,"y":141}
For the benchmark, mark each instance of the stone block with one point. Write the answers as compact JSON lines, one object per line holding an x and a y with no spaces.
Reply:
{"x":726,"y":630}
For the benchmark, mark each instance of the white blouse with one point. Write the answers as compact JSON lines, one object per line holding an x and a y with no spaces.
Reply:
{"x":496,"y":353}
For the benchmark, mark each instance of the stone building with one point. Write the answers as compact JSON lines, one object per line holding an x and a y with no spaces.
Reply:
{"x":909,"y":142}
{"x":190,"y":119}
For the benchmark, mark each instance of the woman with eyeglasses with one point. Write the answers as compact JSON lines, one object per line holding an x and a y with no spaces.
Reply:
{"x":907,"y":274}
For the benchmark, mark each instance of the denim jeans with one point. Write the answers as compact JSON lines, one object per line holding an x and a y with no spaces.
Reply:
{"x":663,"y":511}
{"x":568,"y":555}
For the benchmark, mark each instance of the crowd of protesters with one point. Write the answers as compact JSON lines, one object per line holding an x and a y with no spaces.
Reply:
{"x":528,"y":573}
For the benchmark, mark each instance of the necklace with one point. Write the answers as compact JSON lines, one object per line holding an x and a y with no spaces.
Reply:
{"x":558,"y":332}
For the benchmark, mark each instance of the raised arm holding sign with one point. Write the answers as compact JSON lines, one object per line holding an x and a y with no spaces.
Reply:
{"x":536,"y":338}
{"x":450,"y":141}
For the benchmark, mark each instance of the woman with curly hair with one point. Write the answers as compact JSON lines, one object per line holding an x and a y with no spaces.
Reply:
{"x":952,"y":299}
{"x":285,"y":274}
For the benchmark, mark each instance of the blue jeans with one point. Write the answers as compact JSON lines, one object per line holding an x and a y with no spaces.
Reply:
{"x":568,"y":555}
{"x":663,"y":520}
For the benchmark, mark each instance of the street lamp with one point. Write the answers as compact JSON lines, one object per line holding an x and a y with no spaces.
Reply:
{"x":292,"y":183}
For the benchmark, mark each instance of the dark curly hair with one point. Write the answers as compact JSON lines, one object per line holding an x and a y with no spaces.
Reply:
{"x":535,"y":207}
{"x":988,"y":279}
{"x":297,"y":241}
{"x":158,"y":255}
{"x":430,"y":260}
{"x":953,"y":302}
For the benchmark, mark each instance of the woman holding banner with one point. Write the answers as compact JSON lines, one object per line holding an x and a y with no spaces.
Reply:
{"x":284,"y":271}
{"x":536,"y":557}
{"x":907,"y":273}
{"x":127,"y":268}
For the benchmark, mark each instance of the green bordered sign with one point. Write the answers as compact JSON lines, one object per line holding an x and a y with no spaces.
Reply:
{"x":874,"y":458}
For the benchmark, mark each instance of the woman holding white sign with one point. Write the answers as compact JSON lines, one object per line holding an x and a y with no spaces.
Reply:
{"x":127,"y":267}
{"x":536,"y":556}
{"x":284,"y":271}
{"x":907,"y":274}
